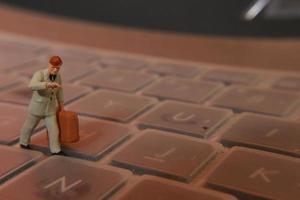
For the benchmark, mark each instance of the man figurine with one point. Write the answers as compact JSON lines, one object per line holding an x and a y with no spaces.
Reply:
{"x":46,"y":97}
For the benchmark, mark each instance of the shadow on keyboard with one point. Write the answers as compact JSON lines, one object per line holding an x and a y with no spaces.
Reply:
{"x":151,"y":128}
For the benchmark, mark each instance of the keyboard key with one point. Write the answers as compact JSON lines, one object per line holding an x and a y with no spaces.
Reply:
{"x":288,"y":83}
{"x":8,"y":60}
{"x":72,"y":55}
{"x":11,"y":121}
{"x":111,"y":105}
{"x":7,"y":80}
{"x":153,"y":188}
{"x":128,"y":81}
{"x":72,"y":71}
{"x":256,"y":175}
{"x":266,"y":133}
{"x":116,"y":62}
{"x":15,"y":52}
{"x":168,"y":155}
{"x":171,"y":69}
{"x":230,"y":76}
{"x":21,"y":93}
{"x":97,"y":137}
{"x":189,"y":119}
{"x":64,"y":178}
{"x":182,"y":89}
{"x":14,"y":160}
{"x":69,"y":71}
{"x":73,"y":92}
{"x":29,"y":68}
{"x":14,"y":46}
{"x":265,"y":101}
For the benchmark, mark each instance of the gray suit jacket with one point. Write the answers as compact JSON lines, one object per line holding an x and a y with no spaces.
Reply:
{"x":43,"y":101}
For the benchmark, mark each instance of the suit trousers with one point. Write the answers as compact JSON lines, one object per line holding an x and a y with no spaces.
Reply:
{"x":51,"y":125}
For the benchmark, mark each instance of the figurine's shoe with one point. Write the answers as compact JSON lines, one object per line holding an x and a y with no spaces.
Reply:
{"x":25,"y":146}
{"x":60,"y":153}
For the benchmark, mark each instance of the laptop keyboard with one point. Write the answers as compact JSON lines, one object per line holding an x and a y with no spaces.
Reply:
{"x":150,"y":128}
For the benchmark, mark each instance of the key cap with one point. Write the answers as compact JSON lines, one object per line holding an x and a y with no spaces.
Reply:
{"x":263,"y":132}
{"x":111,"y":105}
{"x":18,"y":46}
{"x":8,"y":60}
{"x":117,"y":62}
{"x":29,"y":68}
{"x":189,"y":119}
{"x":74,"y":71}
{"x":128,"y":81}
{"x":182,"y":89}
{"x":73,"y":92}
{"x":21,"y":93}
{"x":288,"y":83}
{"x":64,"y":178}
{"x":15,"y":52}
{"x":153,"y":188}
{"x":11,"y":121}
{"x":69,"y":71}
{"x":230,"y":76}
{"x":181,"y":70}
{"x":265,"y":101}
{"x":97,"y":138}
{"x":72,"y":55}
{"x":256,"y":175}
{"x":14,"y":160}
{"x":7,"y":80}
{"x":160,"y":153}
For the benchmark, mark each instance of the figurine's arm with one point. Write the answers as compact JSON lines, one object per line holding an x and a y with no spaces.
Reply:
{"x":36,"y":82}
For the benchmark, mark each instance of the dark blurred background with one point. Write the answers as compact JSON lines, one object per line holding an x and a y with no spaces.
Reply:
{"x":214,"y":17}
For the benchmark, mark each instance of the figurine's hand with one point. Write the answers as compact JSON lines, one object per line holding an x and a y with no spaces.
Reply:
{"x":55,"y":85}
{"x":52,"y":85}
{"x":61,"y":106}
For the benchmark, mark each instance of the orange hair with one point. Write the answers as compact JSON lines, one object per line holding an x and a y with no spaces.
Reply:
{"x":55,"y":61}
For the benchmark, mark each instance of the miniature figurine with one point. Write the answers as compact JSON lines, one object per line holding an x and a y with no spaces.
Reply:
{"x":46,"y":98}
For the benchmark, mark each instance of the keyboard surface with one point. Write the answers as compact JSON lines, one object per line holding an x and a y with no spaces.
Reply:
{"x":150,"y":128}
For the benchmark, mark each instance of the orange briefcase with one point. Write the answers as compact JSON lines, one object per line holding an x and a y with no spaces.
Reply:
{"x":68,"y":125}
